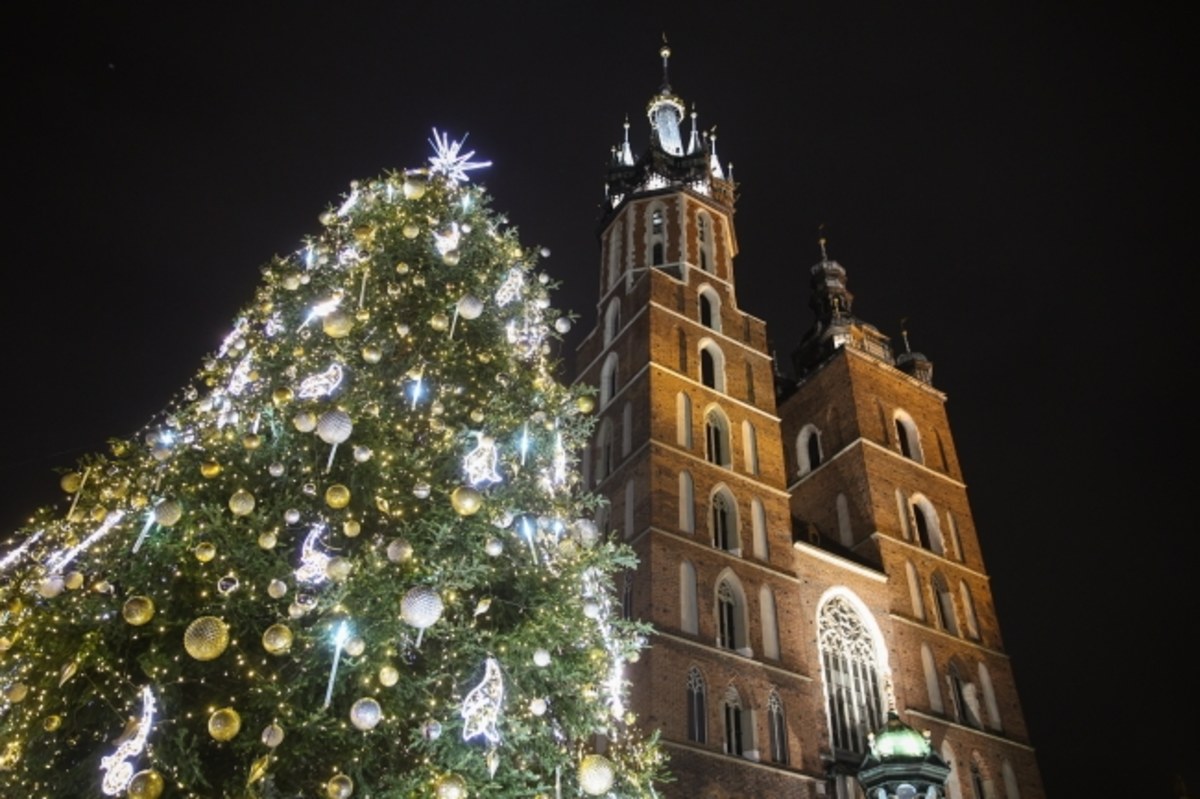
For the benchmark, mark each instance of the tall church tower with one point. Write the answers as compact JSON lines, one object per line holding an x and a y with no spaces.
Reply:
{"x":806,"y":550}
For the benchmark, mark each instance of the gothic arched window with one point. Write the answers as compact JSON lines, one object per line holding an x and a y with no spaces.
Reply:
{"x":705,"y":239}
{"x":712,"y":366}
{"x":716,"y":438}
{"x":734,"y":743}
{"x":710,"y":308}
{"x":853,"y":687}
{"x":608,"y":379}
{"x":697,"y":726}
{"x":908,"y":437}
{"x":724,"y":521}
{"x":777,"y":728}
{"x":808,"y":449}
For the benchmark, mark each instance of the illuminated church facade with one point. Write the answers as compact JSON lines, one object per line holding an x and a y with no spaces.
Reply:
{"x":807,"y":553}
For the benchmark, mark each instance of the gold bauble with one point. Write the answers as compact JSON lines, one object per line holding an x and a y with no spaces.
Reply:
{"x":71,"y":481}
{"x":305,"y":421}
{"x":99,"y":513}
{"x":277,"y":639}
{"x":351,"y":528}
{"x":362,"y":315}
{"x":340,"y":787}
{"x":281,"y":396}
{"x":251,"y":441}
{"x":337,"y":496}
{"x":411,"y":231}
{"x":439,"y":321}
{"x":148,"y":784}
{"x":451,"y":257}
{"x":466,"y":500}
{"x":73,"y":580}
{"x":337,"y":324}
{"x":206,"y":638}
{"x":119,"y":449}
{"x":210,"y":469}
{"x":364,"y":234}
{"x":338,"y":569}
{"x":224,"y":724}
{"x":451,"y":786}
{"x":372,"y":354}
{"x":204,"y":552}
{"x":413,"y":188}
{"x":595,"y":774}
{"x":51,"y":723}
{"x":267,"y":540}
{"x":388,"y":676}
{"x":16,"y":692}
{"x":138,"y":610}
{"x":242,"y":502}
{"x":585,"y":404}
{"x":139,"y":501}
{"x":258,"y":769}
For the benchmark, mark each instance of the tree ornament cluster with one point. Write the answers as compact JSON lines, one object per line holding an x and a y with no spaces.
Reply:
{"x":352,"y":557}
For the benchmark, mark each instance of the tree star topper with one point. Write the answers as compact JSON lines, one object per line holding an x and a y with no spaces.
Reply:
{"x":449,"y":160}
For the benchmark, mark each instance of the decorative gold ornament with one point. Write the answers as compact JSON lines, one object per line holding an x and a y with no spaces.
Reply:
{"x":305,"y":421}
{"x":206,"y":638}
{"x":585,"y":404}
{"x":52,"y":723}
{"x":138,"y":610}
{"x":477,"y":415}
{"x":388,"y":676}
{"x":338,"y":568}
{"x":340,"y":787}
{"x":337,"y":496}
{"x":139,"y":500}
{"x":224,"y":724}
{"x":439,"y":322}
{"x":148,"y":784}
{"x":451,"y":257}
{"x":272,"y":735}
{"x":252,"y":441}
{"x":70,"y":482}
{"x":364,"y":234}
{"x":99,"y":513}
{"x":267,"y":540}
{"x":466,"y":500}
{"x":413,"y":188}
{"x":595,"y":774}
{"x":281,"y":396}
{"x":372,"y":354}
{"x":242,"y":502}
{"x":450,"y":786}
{"x":337,"y":324}
{"x":73,"y":581}
{"x":210,"y":469}
{"x":119,"y":449}
{"x":204,"y":552}
{"x":16,"y":692}
{"x":277,"y":639}
{"x":258,"y":769}
{"x":351,"y":528}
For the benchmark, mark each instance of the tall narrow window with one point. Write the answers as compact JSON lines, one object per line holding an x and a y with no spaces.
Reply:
{"x":853,"y":688}
{"x":914,"y":590}
{"x":612,"y":320}
{"x":955,"y":541}
{"x":929,"y":530}
{"x":922,"y":526}
{"x":733,"y":723}
{"x":758,"y":520}
{"x":908,"y":437}
{"x":845,"y":534}
{"x":777,"y":728}
{"x":724,"y":521}
{"x":944,"y":604}
{"x":683,"y":420}
{"x":1011,"y":791}
{"x":608,"y":379}
{"x":978,"y":784}
{"x":770,"y":623}
{"x":704,"y":234}
{"x":604,"y":450}
{"x":706,"y":310}
{"x":697,"y":726}
{"x":989,"y":697}
{"x":716,"y":438}
{"x":657,"y":238}
{"x":630,"y":494}
{"x":808,"y":449}
{"x":687,"y":504}
{"x":750,"y":447}
{"x":709,"y":303}
{"x":969,"y":610}
{"x":712,"y":366}
{"x":689,"y":613}
{"x":726,"y":617}
{"x":931,"y":679}
{"x":614,"y":253}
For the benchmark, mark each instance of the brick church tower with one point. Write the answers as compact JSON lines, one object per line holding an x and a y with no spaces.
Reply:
{"x":807,"y":552}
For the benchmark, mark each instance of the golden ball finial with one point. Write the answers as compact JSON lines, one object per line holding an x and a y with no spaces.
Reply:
{"x":664,"y":51}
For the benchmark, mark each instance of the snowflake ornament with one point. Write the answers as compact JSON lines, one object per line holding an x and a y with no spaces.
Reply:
{"x":449,"y":160}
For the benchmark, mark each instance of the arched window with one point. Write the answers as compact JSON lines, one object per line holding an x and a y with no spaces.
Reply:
{"x":683,"y":352}
{"x":712,"y":365}
{"x":932,"y":687}
{"x":734,"y":728}
{"x":630,"y":494}
{"x":689,"y":612}
{"x":925,"y":519}
{"x":955,"y":541}
{"x":608,"y":379}
{"x":964,"y":695}
{"x":704,"y":235}
{"x":658,"y":238}
{"x":914,"y":590}
{"x":989,"y":697}
{"x":604,"y":450}
{"x":770,"y":623}
{"x":907,"y":436}
{"x":750,"y":447}
{"x":612,"y":320}
{"x":808,"y":449}
{"x":981,"y":786}
{"x":969,"y":610}
{"x":943,"y":604}
{"x":902,"y":512}
{"x":683,"y":420}
{"x":626,"y":429}
{"x":953,"y":789}
{"x":777,"y":728}
{"x":731,"y":615}
{"x":1011,"y":791}
{"x":851,"y":671}
{"x":716,"y":438}
{"x":758,"y":521}
{"x":614,"y":254}
{"x":845,"y":534}
{"x":687,"y":504}
{"x":723,"y":521}
{"x":697,"y":721}
{"x":710,"y":308}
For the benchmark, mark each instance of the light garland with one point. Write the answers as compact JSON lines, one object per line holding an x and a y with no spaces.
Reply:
{"x":481,"y":706}
{"x":118,"y":771}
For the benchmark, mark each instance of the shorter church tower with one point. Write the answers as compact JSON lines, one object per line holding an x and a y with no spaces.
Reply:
{"x":806,"y":552}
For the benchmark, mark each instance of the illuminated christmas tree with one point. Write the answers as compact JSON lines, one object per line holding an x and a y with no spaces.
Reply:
{"x":353,"y":558}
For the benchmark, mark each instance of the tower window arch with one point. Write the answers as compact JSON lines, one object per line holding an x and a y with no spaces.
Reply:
{"x":737,"y":730}
{"x":808,"y":449}
{"x":712,"y":365}
{"x":723,"y":521}
{"x":777,"y":728}
{"x":943,"y":604}
{"x":687,"y":503}
{"x":731,"y":615}
{"x":716,"y":438}
{"x":758,"y":522}
{"x":851,"y":670}
{"x":964,"y":695}
{"x":770,"y":622}
{"x":989,"y":697}
{"x":689,"y":615}
{"x":1011,"y":791}
{"x":750,"y":447}
{"x":612,"y":320}
{"x":907,"y":436}
{"x":605,"y":459}
{"x":981,"y":784}
{"x":704,"y":236}
{"x":925,"y":520}
{"x":626,"y":429}
{"x":658,"y":237}
{"x":608,"y":379}
{"x":914,"y":590}
{"x":931,"y":679}
{"x":683,"y":420}
{"x":697,"y":722}
{"x":709,"y":305}
{"x":969,"y":610}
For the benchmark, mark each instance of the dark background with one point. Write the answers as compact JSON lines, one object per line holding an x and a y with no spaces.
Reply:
{"x":1013,"y":180}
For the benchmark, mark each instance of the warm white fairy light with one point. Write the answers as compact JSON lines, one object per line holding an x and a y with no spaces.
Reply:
{"x":340,"y":636}
{"x":118,"y":771}
{"x":235,"y":335}
{"x":16,"y":554}
{"x":55,"y":564}
{"x":524,"y":445}
{"x":445,"y":242}
{"x":350,"y":202}
{"x":322,"y":309}
{"x":141,"y":539}
{"x":481,"y":706}
{"x":312,"y":560}
{"x":449,"y":160}
{"x":321,"y":384}
{"x":479,"y":465}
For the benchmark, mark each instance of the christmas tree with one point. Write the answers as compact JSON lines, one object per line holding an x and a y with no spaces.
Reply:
{"x":352,"y":558}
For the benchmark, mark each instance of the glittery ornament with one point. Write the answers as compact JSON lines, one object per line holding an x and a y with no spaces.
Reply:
{"x":466,"y":501}
{"x":451,"y":786}
{"x":71,"y":482}
{"x":372,"y":354}
{"x":138,"y":610}
{"x":267,"y":540}
{"x":431,"y":730}
{"x":541,"y":658}
{"x":275,"y":470}
{"x":421,"y":607}
{"x":338,"y":568}
{"x":421,"y":490}
{"x":167,"y":512}
{"x":305,"y":421}
{"x":210,"y":469}
{"x":242,"y":502}
{"x":365,"y":714}
{"x":148,"y":784}
{"x":291,"y":516}
{"x":337,"y":324}
{"x":351,"y":528}
{"x":334,"y":427}
{"x":537,"y":706}
{"x":340,"y":787}
{"x":585,"y":404}
{"x":224,"y":724}
{"x":399,"y":550}
{"x":204,"y":552}
{"x":277,"y":639}
{"x":493,"y":547}
{"x":562,"y":324}
{"x":595,"y":774}
{"x":470,"y":307}
{"x":337,"y":496}
{"x":277,"y":589}
{"x":206,"y":638}
{"x":362,"y":454}
{"x":388,"y":676}
{"x":439,"y":322}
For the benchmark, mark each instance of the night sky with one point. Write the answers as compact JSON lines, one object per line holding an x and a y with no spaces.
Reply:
{"x":1010,"y":180}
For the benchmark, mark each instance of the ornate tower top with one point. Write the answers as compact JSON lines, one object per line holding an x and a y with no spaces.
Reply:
{"x":666,"y":163}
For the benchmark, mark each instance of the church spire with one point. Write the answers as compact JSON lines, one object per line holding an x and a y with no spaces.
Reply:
{"x":665,"y":112}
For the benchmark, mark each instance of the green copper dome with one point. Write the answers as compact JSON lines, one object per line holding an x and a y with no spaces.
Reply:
{"x":898,"y":740}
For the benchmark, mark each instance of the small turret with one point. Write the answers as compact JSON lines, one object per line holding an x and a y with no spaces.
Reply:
{"x":901,"y":764}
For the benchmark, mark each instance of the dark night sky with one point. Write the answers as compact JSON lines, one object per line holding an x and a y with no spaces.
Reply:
{"x":1009,"y":179}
